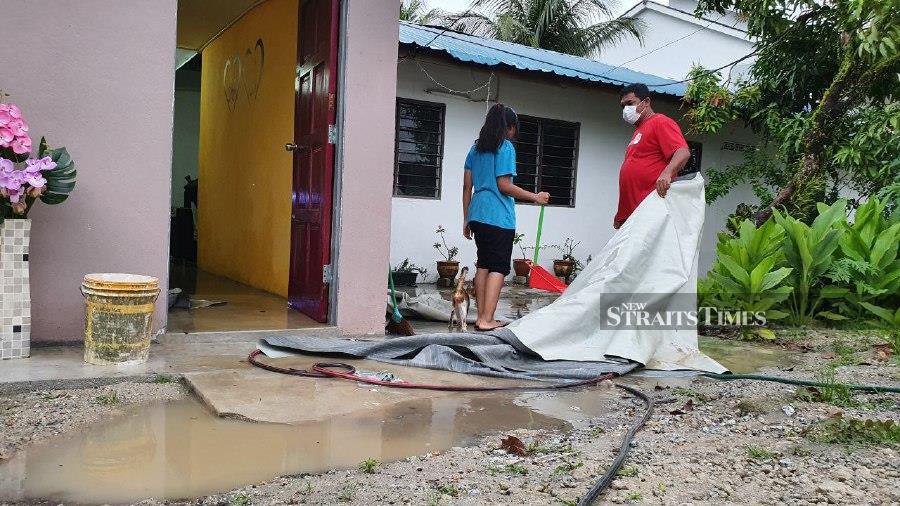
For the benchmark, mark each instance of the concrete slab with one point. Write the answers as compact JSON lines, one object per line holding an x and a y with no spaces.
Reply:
{"x":263,"y":396}
{"x":174,"y":354}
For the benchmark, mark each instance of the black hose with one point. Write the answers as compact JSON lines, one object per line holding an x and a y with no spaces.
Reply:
{"x":624,"y":448}
{"x":777,"y":379}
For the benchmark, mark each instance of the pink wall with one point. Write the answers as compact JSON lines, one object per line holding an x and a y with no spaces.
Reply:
{"x":368,"y":163}
{"x":98,"y":77}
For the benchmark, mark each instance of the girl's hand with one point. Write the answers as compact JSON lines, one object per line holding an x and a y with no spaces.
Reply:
{"x":467,"y":232}
{"x":542,"y":198}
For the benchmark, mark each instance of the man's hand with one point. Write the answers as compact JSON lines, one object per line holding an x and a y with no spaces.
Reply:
{"x":542,"y":198}
{"x":467,"y":232}
{"x":663,"y":183}
{"x":616,"y":224}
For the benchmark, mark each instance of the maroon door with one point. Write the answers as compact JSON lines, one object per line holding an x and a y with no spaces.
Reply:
{"x":313,"y":148}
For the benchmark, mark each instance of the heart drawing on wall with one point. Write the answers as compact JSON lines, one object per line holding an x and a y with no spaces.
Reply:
{"x":244,"y":70}
{"x":232,"y":78}
{"x":254,"y":60}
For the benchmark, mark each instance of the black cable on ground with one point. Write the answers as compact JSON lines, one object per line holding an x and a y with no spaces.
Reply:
{"x":806,"y":383}
{"x":624,"y":448}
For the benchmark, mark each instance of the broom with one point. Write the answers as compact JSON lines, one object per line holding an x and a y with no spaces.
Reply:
{"x":396,"y":324}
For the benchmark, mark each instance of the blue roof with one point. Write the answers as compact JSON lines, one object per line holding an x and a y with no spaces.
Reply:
{"x":469,"y":48}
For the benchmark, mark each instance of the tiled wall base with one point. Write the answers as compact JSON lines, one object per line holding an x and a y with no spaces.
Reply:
{"x":15,"y":294}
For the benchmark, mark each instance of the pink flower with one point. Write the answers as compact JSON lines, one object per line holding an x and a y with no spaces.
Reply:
{"x":16,"y":196}
{"x":13,"y":111}
{"x":39,"y":165}
{"x":18,"y":127}
{"x":35,"y":192}
{"x":12,"y":180}
{"x":19,"y":206}
{"x":21,"y":145}
{"x":5,"y":118}
{"x":6,"y":136}
{"x":35,"y":179}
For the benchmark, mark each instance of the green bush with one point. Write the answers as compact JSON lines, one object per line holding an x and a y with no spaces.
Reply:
{"x":831,"y":270}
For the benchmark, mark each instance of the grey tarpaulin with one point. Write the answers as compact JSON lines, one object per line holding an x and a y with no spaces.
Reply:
{"x":496,"y":353}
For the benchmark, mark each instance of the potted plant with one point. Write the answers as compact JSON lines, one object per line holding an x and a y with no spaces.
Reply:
{"x":564,"y":266}
{"x":47,"y":175}
{"x":520,"y":265}
{"x":406,"y":273}
{"x":447,"y":268}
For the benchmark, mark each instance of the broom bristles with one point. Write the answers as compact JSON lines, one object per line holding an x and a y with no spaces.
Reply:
{"x":400,"y":328}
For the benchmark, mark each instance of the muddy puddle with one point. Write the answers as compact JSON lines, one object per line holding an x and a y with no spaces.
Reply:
{"x":179,"y":450}
{"x":745,"y":357}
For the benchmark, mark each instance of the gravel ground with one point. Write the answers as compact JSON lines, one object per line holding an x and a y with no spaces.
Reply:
{"x":37,"y":415}
{"x":744,"y":442}
{"x":713,"y":443}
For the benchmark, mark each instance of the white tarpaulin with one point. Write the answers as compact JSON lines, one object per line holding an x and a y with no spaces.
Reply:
{"x":635,"y":298}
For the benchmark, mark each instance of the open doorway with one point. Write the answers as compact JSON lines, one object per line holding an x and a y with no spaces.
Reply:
{"x":251,"y":220}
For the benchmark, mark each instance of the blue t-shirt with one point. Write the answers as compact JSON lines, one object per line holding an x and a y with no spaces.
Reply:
{"x":488,"y":205}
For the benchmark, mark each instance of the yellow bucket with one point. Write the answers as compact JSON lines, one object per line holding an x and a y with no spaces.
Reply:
{"x":118,"y":317}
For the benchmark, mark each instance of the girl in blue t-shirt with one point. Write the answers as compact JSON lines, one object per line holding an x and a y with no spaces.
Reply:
{"x":489,"y":198}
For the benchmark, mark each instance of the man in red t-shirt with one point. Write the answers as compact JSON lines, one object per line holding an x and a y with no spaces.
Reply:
{"x":654,"y":156}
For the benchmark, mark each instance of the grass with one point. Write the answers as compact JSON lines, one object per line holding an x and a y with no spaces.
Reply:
{"x":369,"y":466}
{"x":346,"y":493}
{"x":759,"y":453}
{"x":568,"y":502}
{"x":634,"y":496}
{"x":690,"y":392}
{"x":448,"y":490}
{"x":597,"y":431}
{"x":751,"y":407}
{"x":536,"y":448}
{"x":844,"y":353}
{"x":628,"y":471}
{"x":163,"y":379}
{"x":53,"y":397}
{"x":108,"y":399}
{"x":434,"y":499}
{"x":240,"y":500}
{"x":515,"y":469}
{"x":567,"y":467}
{"x":855,"y":432}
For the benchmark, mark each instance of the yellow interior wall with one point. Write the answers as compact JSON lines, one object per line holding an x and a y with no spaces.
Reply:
{"x":245,"y":173}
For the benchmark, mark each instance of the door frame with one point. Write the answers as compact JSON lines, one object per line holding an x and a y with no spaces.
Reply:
{"x":337,"y":182}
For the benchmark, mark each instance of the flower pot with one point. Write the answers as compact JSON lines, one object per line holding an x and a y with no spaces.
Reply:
{"x":447,"y":270}
{"x":563,"y":268}
{"x":405,"y":278}
{"x":521,"y":267}
{"x":15,"y":293}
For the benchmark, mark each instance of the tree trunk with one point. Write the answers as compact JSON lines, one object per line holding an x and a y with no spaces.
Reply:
{"x":832,"y":105}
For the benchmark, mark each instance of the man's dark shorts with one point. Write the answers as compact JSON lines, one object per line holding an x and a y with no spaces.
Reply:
{"x":494,"y":246}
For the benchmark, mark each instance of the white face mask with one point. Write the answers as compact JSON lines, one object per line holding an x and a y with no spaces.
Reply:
{"x":630,"y":114}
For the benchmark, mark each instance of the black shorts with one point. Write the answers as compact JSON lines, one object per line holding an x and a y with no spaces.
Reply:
{"x":494,"y":246}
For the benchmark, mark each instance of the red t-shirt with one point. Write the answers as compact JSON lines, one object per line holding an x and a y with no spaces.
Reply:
{"x":655,"y":140}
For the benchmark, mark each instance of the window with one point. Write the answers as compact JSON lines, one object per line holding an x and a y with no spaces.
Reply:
{"x":693,"y":163}
{"x":419,"y":149}
{"x":547,"y":158}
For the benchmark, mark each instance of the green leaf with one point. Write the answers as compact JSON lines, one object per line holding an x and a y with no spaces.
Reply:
{"x":774,"y":314}
{"x":832,"y":316}
{"x":765,"y":333}
{"x":833,"y":292}
{"x":773,"y":278}
{"x":736,"y":271}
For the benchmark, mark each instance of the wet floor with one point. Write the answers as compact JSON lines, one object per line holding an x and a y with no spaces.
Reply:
{"x":179,"y":450}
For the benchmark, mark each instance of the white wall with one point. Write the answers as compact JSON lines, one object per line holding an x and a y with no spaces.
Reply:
{"x":603,"y":138}
{"x":710,"y":48}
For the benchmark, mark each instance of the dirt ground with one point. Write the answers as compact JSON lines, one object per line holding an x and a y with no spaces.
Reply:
{"x":715,"y":442}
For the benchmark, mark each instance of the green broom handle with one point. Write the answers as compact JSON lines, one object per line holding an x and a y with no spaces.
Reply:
{"x":537,"y":242}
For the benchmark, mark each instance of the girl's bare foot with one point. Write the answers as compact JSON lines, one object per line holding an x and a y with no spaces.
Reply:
{"x":487,"y":326}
